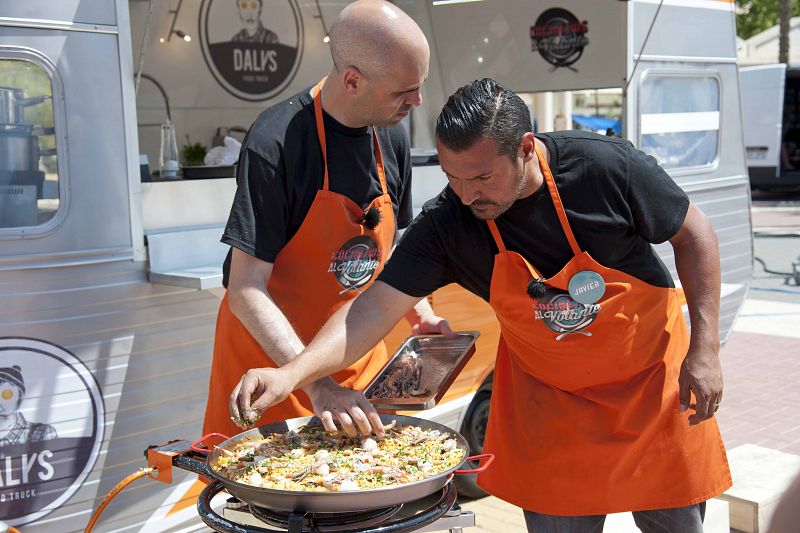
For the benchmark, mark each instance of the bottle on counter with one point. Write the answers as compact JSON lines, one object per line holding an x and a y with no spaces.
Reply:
{"x":168,"y":157}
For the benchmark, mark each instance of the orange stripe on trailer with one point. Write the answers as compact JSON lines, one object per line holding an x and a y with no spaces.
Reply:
{"x":189,"y":498}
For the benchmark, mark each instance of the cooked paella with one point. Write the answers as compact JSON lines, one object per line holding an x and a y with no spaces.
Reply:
{"x":311,"y":459}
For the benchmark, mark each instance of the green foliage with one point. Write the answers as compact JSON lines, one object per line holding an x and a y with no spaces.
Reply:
{"x":193,"y":154}
{"x":755,"y":16}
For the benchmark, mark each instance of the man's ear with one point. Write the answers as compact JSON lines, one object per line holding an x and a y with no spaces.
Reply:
{"x":528,"y":146}
{"x":353,"y":80}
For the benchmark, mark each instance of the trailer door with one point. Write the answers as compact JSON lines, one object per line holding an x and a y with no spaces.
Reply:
{"x":762,"y":89}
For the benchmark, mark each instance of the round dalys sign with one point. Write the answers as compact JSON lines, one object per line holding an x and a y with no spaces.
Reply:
{"x":251,"y":47}
{"x":51,"y":427}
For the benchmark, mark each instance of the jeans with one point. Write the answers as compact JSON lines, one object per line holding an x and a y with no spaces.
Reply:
{"x":678,"y":520}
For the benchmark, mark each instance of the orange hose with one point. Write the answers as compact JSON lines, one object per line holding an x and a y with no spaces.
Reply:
{"x":111,"y":495}
{"x":12,"y":530}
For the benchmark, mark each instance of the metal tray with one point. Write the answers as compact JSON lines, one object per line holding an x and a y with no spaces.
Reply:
{"x":439,"y":361}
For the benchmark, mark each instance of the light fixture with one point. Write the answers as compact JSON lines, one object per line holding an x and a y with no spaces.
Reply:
{"x":180,"y":33}
{"x":162,"y":40}
{"x":326,"y":39}
{"x":480,"y":59}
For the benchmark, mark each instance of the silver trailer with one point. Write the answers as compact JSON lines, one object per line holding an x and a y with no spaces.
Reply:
{"x":110,"y":286}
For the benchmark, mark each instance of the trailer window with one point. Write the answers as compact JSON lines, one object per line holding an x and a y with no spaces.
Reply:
{"x":680,"y":119}
{"x":29,"y":182}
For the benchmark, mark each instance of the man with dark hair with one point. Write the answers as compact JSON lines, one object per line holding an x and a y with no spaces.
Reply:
{"x":595,"y":368}
{"x":323,"y":184}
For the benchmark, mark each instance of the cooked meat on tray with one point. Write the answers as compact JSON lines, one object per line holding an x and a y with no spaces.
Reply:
{"x":312,"y":459}
{"x":402,"y":379}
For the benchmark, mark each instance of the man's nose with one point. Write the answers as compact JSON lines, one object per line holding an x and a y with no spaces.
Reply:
{"x":465,"y":192}
{"x":414,"y":98}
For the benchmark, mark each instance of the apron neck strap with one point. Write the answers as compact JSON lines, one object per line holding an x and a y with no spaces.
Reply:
{"x":501,"y":247}
{"x":496,"y":234}
{"x":316,"y":93}
{"x":551,"y":187}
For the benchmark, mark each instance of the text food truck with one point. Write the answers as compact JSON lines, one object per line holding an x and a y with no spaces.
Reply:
{"x":110,"y":278}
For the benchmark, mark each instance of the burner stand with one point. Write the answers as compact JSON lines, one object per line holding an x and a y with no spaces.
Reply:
{"x":363,"y":522}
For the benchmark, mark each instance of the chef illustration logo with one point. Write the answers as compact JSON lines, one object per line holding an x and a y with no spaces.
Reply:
{"x":51,"y":427}
{"x":564,"y":315}
{"x":252,"y":47}
{"x":559,"y":37}
{"x":355,"y":262}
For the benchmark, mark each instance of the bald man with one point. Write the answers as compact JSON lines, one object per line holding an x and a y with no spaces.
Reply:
{"x":324,"y":183}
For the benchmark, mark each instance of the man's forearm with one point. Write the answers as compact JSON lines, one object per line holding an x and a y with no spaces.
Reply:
{"x":698,"y":264}
{"x":351,"y":332}
{"x":271,"y":329}
{"x":266,"y":323}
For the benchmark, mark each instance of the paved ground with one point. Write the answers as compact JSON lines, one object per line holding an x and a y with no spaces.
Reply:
{"x":761,"y":359}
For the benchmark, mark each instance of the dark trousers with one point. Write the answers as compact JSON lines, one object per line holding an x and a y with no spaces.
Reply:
{"x":678,"y":520}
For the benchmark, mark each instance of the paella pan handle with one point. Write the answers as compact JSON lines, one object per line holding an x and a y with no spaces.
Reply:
{"x":489,"y":458}
{"x":196,"y":444}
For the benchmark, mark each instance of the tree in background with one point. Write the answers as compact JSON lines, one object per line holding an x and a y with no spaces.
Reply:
{"x":785,"y":16}
{"x":755,"y":16}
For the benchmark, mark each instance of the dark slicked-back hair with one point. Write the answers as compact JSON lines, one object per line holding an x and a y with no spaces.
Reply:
{"x":483,"y":109}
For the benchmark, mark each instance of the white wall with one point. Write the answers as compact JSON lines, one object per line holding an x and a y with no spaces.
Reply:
{"x":762,"y":48}
{"x":199,"y":103}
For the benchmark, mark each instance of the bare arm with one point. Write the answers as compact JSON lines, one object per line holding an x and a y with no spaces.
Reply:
{"x":353,"y":330}
{"x":697,"y":260}
{"x":251,"y":303}
{"x":348,"y":334}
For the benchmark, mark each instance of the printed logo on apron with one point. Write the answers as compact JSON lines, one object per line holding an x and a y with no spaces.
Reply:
{"x":355,"y":262}
{"x":564,"y":315}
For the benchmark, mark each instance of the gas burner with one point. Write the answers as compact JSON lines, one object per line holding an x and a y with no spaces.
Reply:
{"x":439,"y":509}
{"x":325,"y":522}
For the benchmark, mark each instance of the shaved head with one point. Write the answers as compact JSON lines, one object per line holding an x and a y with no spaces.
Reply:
{"x":373,"y":35}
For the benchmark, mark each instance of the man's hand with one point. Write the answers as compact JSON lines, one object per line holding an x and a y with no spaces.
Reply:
{"x":701,"y":374}
{"x":258,"y":389}
{"x":332,"y":403}
{"x":424,"y":321}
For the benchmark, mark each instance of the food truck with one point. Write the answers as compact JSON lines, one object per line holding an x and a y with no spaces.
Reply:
{"x":110,"y":276}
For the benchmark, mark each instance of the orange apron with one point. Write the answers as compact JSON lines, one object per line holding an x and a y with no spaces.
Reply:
{"x":584,"y":417}
{"x":328,"y":262}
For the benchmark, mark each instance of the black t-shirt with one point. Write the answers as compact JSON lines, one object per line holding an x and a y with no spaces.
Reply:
{"x":618,"y":201}
{"x":281,"y":169}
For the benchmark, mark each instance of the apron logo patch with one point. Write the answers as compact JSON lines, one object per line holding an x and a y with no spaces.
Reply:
{"x":564,"y":315}
{"x":355,"y":262}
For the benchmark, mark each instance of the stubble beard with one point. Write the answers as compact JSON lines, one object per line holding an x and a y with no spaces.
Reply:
{"x":501,"y":207}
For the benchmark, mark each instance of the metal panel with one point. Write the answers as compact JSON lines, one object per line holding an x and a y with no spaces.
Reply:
{"x":684,"y":31}
{"x":762,"y":110}
{"x":83,"y":11}
{"x":98,"y":213}
{"x":501,"y":46}
{"x":149,"y":348}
